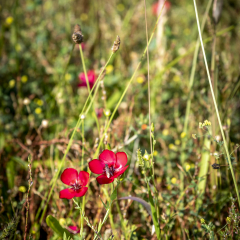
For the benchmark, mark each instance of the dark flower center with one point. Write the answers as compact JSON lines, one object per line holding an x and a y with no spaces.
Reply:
{"x":109,"y":171}
{"x":76,"y":186}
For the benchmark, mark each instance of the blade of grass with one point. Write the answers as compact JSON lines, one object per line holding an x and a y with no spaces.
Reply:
{"x":202,"y":175}
{"x":126,"y":88}
{"x":153,"y":207}
{"x":74,"y":132}
{"x":189,"y":101}
{"x":215,"y":105}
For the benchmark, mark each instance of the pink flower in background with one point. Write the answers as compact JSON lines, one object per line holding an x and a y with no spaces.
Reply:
{"x":109,"y":165}
{"x":73,"y":229}
{"x":99,"y":112}
{"x":83,"y":45}
{"x":156,"y":5}
{"x":77,"y":183}
{"x":91,"y":78}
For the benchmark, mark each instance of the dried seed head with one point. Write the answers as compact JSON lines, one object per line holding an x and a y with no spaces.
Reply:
{"x":116,"y":44}
{"x":77,"y":34}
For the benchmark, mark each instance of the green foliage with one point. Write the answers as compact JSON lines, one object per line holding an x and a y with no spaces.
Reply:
{"x":53,"y":223}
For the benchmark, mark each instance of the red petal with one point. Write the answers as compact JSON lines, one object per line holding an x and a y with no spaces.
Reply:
{"x":82,"y":192}
{"x":108,"y":157}
{"x":121,"y":159}
{"x":69,"y":176}
{"x":74,"y":229}
{"x":81,"y":76}
{"x":119,"y":171}
{"x":96,"y":166}
{"x":102,"y":179}
{"x":67,"y":193}
{"x":83,"y":178}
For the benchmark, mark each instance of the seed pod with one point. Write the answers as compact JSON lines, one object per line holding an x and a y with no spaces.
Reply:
{"x":116,"y":44}
{"x":217,"y":9}
{"x":77,"y":34}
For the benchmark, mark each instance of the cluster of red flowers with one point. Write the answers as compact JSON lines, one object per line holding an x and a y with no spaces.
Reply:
{"x":109,"y":165}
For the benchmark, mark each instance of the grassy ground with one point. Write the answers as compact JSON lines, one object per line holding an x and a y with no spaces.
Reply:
{"x":149,"y":102}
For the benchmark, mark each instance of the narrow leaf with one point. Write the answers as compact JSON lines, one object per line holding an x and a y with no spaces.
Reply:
{"x":53,"y":223}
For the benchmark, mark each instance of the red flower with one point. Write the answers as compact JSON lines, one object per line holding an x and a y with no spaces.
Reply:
{"x":110,"y":165}
{"x":91,"y":78}
{"x":73,"y":229}
{"x":156,"y":5}
{"x":77,"y":182}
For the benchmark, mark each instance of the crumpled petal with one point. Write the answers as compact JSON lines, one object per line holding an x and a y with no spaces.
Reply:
{"x":67,"y":193}
{"x":119,"y":171}
{"x":96,"y":166}
{"x":121,"y":159}
{"x":81,"y":192}
{"x":108,"y":157}
{"x":83,"y":178}
{"x":69,"y":175}
{"x":102,"y":179}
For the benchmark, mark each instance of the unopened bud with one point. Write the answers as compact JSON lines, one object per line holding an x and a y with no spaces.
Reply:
{"x":77,"y":34}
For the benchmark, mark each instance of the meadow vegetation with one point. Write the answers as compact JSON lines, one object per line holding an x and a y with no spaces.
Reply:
{"x":133,"y":106}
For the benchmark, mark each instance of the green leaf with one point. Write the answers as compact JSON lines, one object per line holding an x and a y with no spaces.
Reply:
{"x":105,"y":205}
{"x":53,"y":223}
{"x":114,"y":194}
{"x":11,"y":173}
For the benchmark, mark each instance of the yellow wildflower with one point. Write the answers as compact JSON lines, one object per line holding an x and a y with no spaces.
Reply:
{"x":12,"y":83}
{"x":9,"y":20}
{"x":171,"y":146}
{"x":173,"y":180}
{"x":24,"y":79}
{"x":155,"y":153}
{"x":22,"y":189}
{"x":68,"y":77}
{"x":202,"y":221}
{"x":140,"y":79}
{"x":177,"y":142}
{"x":183,"y":135}
{"x":109,"y":69}
{"x":38,"y":110}
{"x":39,"y":102}
{"x":187,"y":167}
{"x":165,"y":132}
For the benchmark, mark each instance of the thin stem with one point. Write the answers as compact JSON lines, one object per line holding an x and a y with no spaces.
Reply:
{"x":82,"y":144}
{"x":87,"y":80}
{"x":189,"y":101}
{"x":74,"y":132}
{"x":149,"y":90}
{"x":215,"y":105}
{"x":29,"y":188}
{"x":129,"y":83}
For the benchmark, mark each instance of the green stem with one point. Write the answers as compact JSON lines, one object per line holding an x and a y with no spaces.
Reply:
{"x":74,"y":132}
{"x":189,"y":101}
{"x":87,"y":80}
{"x":125,"y":90}
{"x":215,"y":105}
